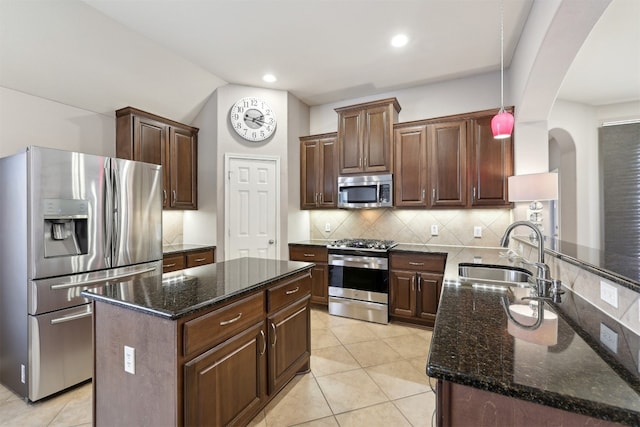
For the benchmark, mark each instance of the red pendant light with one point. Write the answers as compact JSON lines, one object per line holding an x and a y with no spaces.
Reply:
{"x":502,"y":123}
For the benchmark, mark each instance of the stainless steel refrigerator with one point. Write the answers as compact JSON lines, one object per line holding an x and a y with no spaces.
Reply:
{"x":68,"y":222}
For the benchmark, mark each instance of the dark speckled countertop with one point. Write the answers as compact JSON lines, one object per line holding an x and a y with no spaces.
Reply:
{"x":177,"y":294}
{"x":184,"y":247}
{"x":471,"y":345}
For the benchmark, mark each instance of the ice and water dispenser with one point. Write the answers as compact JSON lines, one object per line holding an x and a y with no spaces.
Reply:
{"x":65,"y":227}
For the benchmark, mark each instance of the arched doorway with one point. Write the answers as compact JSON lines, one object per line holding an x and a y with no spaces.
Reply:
{"x":562,"y":157}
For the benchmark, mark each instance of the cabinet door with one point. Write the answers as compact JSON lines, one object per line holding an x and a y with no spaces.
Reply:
{"x":289,"y":343}
{"x":328,"y":176}
{"x":491,"y":163}
{"x":402,"y":290}
{"x":149,"y":138}
{"x":448,"y":164}
{"x":227,"y":384}
{"x":410,"y":157}
{"x":429,"y":286}
{"x":319,"y":284}
{"x":183,"y":166}
{"x":350,"y":130}
{"x":377,"y":139}
{"x":309,"y":171}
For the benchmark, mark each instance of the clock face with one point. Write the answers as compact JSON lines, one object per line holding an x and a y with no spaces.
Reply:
{"x":253,"y":119}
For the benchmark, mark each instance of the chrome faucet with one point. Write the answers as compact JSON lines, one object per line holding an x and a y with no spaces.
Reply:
{"x":547,"y":289}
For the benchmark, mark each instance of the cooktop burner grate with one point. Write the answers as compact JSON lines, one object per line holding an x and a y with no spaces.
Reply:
{"x":373,"y":244}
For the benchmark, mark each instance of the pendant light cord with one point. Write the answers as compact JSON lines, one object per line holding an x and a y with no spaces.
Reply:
{"x":501,"y":56}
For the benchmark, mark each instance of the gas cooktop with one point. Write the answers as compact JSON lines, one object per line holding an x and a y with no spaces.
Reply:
{"x":369,"y":244}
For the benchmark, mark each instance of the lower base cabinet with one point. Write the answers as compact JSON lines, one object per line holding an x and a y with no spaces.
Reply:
{"x":461,"y":406}
{"x":228,"y":384}
{"x":319,"y":273}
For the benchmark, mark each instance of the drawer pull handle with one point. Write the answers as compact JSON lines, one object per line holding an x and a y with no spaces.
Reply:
{"x":199,"y":259}
{"x":293,"y":291}
{"x":264,"y":343}
{"x":309,"y":255}
{"x":170,"y":265}
{"x":416,"y":263}
{"x":227,"y":322}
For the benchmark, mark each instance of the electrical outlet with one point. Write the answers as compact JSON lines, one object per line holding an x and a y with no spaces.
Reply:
{"x":477,"y":231}
{"x":477,"y":260}
{"x":609,"y":293}
{"x":609,"y":338}
{"x":129,"y":359}
{"x":327,"y":227}
{"x":434,"y":229}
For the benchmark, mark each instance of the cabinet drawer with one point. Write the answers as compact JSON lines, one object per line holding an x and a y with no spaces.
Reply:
{"x":195,"y":259}
{"x":288,"y":292}
{"x":213,"y":328}
{"x":172,"y":263}
{"x":308,"y":253}
{"x":430,"y":262}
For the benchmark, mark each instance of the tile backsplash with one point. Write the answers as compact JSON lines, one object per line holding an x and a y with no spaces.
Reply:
{"x":455,"y":227}
{"x":172,"y":233}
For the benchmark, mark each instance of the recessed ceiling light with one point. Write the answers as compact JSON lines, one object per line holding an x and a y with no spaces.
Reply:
{"x":269,"y":78}
{"x":399,"y":40}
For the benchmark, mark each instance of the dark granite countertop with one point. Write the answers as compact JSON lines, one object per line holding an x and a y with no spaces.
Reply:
{"x":177,"y":248}
{"x":177,"y":294}
{"x":312,"y":242}
{"x":472,"y":345}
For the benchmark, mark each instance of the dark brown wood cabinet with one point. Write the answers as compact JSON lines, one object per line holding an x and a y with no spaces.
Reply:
{"x":318,"y":171}
{"x":319,"y":274}
{"x":451,"y":162}
{"x":227,"y":384}
{"x":365,"y":136}
{"x":187,"y":259}
{"x":150,"y":138}
{"x":410,"y":166}
{"x":415,"y":283}
{"x":490,"y":164}
{"x":448,"y":164}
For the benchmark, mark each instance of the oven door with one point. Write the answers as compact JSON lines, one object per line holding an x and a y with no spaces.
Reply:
{"x":356,"y":277}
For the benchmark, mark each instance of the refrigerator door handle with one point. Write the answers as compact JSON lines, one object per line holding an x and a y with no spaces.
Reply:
{"x":117,"y":212}
{"x":102,"y":279}
{"x":108,"y":212}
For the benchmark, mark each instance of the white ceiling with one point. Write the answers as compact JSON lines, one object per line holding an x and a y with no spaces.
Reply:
{"x":168,"y":56}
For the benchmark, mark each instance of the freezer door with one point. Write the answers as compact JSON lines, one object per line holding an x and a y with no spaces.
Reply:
{"x":56,"y":293}
{"x":61,"y":349}
{"x":66,"y":208}
{"x":137,"y":212}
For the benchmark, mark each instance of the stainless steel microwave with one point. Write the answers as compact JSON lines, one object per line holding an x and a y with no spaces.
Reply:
{"x":365,"y":191}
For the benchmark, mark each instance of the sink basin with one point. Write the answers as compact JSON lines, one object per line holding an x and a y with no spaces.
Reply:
{"x":493,"y":274}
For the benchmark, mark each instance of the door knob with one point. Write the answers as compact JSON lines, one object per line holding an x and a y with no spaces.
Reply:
{"x":271,"y":241}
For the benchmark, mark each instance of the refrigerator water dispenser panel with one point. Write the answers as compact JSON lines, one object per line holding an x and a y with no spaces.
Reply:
{"x":65,"y":227}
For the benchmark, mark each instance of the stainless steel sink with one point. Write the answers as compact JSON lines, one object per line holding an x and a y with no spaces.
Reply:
{"x":490,"y":274}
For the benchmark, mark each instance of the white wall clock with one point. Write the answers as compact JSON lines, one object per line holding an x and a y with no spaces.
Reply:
{"x":253,"y":119}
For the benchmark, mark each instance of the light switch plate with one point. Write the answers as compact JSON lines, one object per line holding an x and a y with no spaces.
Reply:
{"x":434,"y":229}
{"x":477,"y":231}
{"x":609,"y":293}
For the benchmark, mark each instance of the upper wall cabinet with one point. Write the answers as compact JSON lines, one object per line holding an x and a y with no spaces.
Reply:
{"x":365,"y":136}
{"x":451,"y":162}
{"x":318,"y":171}
{"x":149,"y":138}
{"x":490,"y":164}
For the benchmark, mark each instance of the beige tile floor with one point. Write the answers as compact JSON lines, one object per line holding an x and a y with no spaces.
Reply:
{"x":362,"y":374}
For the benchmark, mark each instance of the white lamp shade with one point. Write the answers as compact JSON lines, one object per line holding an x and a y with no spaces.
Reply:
{"x":536,"y":186}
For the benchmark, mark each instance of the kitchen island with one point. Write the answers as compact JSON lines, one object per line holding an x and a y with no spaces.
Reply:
{"x":490,"y":373}
{"x":209,"y":345}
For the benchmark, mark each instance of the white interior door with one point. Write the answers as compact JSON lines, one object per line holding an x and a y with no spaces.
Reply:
{"x":252,"y":201}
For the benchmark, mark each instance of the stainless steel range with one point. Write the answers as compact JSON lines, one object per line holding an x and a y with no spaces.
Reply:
{"x":359,"y":279}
